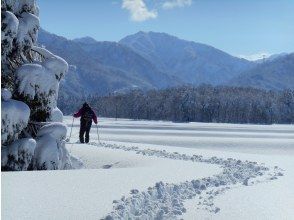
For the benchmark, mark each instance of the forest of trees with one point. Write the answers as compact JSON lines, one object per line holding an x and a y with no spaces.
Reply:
{"x":200,"y":104}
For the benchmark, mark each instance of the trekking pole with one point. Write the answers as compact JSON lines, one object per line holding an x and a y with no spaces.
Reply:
{"x":98,"y":134}
{"x":68,"y":139}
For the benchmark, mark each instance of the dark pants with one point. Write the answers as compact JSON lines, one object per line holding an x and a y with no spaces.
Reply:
{"x":85,"y":128}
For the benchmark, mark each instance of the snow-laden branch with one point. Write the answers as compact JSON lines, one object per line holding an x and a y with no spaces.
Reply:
{"x":15,"y":116}
{"x":18,"y":155}
{"x":27,"y":30}
{"x":43,"y":52}
{"x":37,"y":79}
{"x":8,"y":32}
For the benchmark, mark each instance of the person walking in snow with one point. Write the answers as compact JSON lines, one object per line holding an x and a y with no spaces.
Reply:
{"x":87,"y":115}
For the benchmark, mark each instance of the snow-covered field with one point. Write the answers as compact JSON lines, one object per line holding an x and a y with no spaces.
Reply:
{"x":147,"y":170}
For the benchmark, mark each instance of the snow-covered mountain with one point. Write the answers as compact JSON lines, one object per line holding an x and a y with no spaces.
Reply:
{"x":87,"y":39}
{"x":103,"y":67}
{"x":149,"y":60}
{"x":270,"y":58}
{"x":276,"y":74}
{"x":191,"y":62}
{"x":118,"y":56}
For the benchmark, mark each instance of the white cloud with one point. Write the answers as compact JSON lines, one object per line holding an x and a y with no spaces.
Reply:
{"x":138,"y":10}
{"x":256,"y":56}
{"x":170,"y":4}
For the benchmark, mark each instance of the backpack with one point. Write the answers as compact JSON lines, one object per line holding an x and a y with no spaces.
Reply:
{"x":87,"y":115}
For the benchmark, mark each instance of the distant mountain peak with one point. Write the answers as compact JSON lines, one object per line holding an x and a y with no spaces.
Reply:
{"x":271,"y":57}
{"x":148,"y":34}
{"x":85,"y":40}
{"x":190,"y":61}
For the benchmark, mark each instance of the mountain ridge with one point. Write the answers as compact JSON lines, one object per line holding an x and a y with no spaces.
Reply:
{"x":145,"y":60}
{"x":93,"y":75}
{"x":190,"y":61}
{"x":275,"y":74}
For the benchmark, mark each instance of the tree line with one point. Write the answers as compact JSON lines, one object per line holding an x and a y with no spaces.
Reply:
{"x":204,"y":103}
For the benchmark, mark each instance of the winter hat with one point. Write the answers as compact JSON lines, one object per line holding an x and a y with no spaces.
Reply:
{"x":85,"y":104}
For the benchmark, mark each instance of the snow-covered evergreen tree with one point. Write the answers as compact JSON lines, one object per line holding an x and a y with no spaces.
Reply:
{"x":32,"y":133}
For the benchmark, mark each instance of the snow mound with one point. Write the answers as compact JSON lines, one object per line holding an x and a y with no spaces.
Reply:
{"x":5,"y":94}
{"x":18,"y":156}
{"x":15,"y":116}
{"x":47,"y":153}
{"x":57,"y":130}
{"x":56,"y":115}
{"x":51,"y":153}
{"x":76,"y":163}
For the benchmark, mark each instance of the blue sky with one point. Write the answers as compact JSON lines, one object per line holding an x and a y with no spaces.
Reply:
{"x":239,"y":27}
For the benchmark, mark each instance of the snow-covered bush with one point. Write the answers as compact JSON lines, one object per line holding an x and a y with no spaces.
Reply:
{"x":15,"y":116}
{"x":18,"y":155}
{"x":50,"y":152}
{"x":30,"y":83}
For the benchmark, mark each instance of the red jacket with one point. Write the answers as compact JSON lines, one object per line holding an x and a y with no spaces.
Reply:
{"x":80,"y":113}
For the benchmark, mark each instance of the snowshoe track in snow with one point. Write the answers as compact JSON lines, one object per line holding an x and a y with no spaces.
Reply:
{"x":166,"y":200}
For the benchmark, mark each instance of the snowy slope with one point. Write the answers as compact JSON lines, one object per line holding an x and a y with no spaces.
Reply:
{"x":269,"y":200}
{"x":110,"y":65}
{"x":270,"y":58}
{"x":275,"y":74}
{"x":192,"y":62}
{"x":88,"y":194}
{"x":125,"y":164}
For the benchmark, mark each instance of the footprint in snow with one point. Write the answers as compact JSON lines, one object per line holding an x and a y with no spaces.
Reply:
{"x":108,"y":166}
